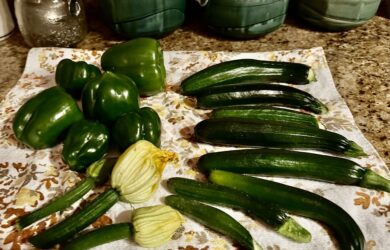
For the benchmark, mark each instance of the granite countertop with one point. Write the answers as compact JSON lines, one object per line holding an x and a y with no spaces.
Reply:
{"x":359,"y":60}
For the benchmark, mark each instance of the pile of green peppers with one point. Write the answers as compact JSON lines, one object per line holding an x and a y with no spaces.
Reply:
{"x":111,"y":113}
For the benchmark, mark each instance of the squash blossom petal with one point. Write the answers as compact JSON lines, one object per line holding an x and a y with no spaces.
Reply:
{"x":137,"y":173}
{"x":155,"y":225}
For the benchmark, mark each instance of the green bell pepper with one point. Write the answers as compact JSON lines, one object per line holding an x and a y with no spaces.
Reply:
{"x":142,"y":60}
{"x":42,"y":120}
{"x":109,"y":96}
{"x":132,"y":127}
{"x":72,"y":76}
{"x":85,"y":143}
{"x":152,"y":125}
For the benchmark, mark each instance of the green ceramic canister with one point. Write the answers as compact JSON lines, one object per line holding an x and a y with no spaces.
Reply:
{"x":146,"y":18}
{"x":337,"y":15}
{"x":245,"y":18}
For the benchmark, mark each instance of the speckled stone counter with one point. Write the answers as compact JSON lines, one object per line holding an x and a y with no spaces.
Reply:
{"x":359,"y":60}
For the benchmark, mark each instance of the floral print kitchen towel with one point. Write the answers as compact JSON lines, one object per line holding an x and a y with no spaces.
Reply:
{"x":30,"y":178}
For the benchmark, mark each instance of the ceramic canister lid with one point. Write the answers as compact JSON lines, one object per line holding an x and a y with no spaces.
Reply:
{"x":6,"y":22}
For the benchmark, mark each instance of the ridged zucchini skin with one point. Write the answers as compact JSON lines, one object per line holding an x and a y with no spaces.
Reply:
{"x":267,"y":114}
{"x":286,"y":163}
{"x":267,"y":94}
{"x":228,"y":197}
{"x":280,"y":162}
{"x":241,"y":132}
{"x":213,"y":218}
{"x":241,"y":70}
{"x":297,"y":201}
{"x":220,"y":195}
{"x":76,"y":222}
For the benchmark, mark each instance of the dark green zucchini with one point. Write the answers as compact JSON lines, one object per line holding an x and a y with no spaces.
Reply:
{"x":76,"y":222}
{"x":251,"y":94}
{"x":267,"y":114}
{"x":297,"y":201}
{"x":241,"y":70}
{"x":100,"y":236}
{"x":279,"y":162}
{"x":211,"y":193}
{"x":241,"y":132}
{"x":97,"y":173}
{"x":213,"y":218}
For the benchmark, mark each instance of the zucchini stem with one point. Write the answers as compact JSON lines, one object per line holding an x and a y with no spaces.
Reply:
{"x":354,"y":150}
{"x":77,"y":221}
{"x":293,"y":230}
{"x":323,"y":109}
{"x":311,"y":76}
{"x":58,"y":204}
{"x":375,"y":181}
{"x":100,"y":236}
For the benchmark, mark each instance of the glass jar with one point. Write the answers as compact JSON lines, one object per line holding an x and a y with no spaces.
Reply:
{"x":44,"y":23}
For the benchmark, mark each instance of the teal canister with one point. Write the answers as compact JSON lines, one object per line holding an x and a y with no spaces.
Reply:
{"x":143,"y":18}
{"x":337,"y":15}
{"x":245,"y":18}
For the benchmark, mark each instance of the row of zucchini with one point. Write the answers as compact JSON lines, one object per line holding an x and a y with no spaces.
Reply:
{"x":250,"y":110}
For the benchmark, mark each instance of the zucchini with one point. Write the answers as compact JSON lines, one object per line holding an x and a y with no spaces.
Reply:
{"x":97,"y":173}
{"x":211,"y":193}
{"x":297,"y":201}
{"x":134,"y":179}
{"x":100,"y":236}
{"x":151,"y":227}
{"x":214,"y":219}
{"x":279,"y":162}
{"x":267,"y":114}
{"x":58,"y":204}
{"x":241,"y":70}
{"x":241,"y":132}
{"x":77,"y":221}
{"x":252,"y":94}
